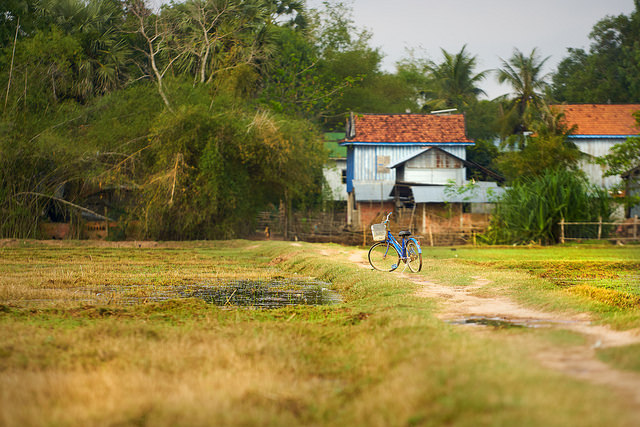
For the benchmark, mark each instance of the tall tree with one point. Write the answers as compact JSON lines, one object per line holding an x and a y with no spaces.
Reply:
{"x":610,"y":71}
{"x":524,"y":74}
{"x":96,"y":26}
{"x":453,"y":83}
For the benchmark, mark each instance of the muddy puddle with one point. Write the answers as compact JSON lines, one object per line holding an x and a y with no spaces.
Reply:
{"x":500,"y":323}
{"x":259,"y":294}
{"x":267,"y":294}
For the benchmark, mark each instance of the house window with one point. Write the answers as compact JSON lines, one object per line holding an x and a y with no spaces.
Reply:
{"x":434,"y":159}
{"x":344,"y":176}
{"x":382,"y":162}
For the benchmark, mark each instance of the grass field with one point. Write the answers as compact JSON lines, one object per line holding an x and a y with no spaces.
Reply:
{"x":380,"y":357}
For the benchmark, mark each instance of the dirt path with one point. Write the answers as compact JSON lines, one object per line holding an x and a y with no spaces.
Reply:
{"x":464,"y":303}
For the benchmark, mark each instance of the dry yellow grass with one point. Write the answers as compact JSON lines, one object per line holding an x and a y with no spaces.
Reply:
{"x":379,"y":359}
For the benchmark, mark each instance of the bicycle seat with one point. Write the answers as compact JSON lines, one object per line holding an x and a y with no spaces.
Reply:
{"x":404,"y":233}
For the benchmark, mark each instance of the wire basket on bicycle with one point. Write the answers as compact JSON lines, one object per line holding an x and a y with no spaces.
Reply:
{"x":379,"y":232}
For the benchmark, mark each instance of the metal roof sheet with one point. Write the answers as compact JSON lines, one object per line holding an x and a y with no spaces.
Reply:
{"x":485,"y":192}
{"x":366,"y":191}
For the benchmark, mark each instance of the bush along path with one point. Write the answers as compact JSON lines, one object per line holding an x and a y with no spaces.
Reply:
{"x":475,"y":306}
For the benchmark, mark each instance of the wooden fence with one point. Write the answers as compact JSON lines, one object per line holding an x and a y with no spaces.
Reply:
{"x":619,"y":231}
{"x":331,"y":226}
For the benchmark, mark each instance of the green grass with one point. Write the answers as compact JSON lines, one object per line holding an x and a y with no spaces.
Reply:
{"x":379,"y":358}
{"x":601,"y":279}
{"x":627,"y":357}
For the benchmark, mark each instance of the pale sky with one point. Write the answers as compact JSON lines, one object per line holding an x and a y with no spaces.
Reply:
{"x":490,"y":28}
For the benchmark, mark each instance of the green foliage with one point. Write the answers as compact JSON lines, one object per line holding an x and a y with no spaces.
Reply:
{"x":524,"y":74}
{"x":293,"y":84}
{"x":452,"y":83}
{"x":622,"y":157}
{"x":212,"y":169}
{"x":482,"y":120}
{"x":538,"y":155}
{"x":609,"y":72}
{"x":623,"y":357}
{"x":85,"y":123}
{"x":621,"y":160}
{"x":532,"y":207}
{"x":484,"y":153}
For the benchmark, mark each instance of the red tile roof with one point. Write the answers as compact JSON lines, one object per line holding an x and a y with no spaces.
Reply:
{"x":601,"y":119}
{"x":422,"y":128}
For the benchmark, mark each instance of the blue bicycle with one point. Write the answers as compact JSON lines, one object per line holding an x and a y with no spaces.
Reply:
{"x":387,"y":253}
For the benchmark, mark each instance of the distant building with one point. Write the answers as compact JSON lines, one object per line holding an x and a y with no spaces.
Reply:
{"x":335,"y":171}
{"x":405,"y":159}
{"x":598,"y":128}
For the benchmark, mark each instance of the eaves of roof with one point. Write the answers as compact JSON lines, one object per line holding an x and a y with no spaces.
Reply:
{"x":601,"y":136}
{"x":400,"y":144}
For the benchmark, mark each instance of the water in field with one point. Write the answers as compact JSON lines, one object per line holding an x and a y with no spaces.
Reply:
{"x":265,"y":294}
{"x":497,"y":322}
{"x":261,"y":294}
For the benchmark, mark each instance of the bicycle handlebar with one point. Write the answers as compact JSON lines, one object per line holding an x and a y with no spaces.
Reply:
{"x":387,"y":219}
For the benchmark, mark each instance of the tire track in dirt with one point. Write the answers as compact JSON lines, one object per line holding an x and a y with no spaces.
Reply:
{"x":577,"y":361}
{"x":462,"y":302}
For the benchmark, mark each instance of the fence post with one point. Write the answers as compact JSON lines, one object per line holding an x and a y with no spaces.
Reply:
{"x":561,"y":230}
{"x":364,"y":235}
{"x":635,"y":227}
{"x":430,"y":234}
{"x":599,"y":227}
{"x":106,"y":224}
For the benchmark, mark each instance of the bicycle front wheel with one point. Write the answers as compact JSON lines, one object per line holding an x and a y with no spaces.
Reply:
{"x":384,"y":257}
{"x":414,"y":257}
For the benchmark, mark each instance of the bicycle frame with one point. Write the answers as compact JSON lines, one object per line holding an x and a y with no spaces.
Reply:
{"x":400,"y":247}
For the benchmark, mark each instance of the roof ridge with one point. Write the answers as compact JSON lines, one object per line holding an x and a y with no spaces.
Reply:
{"x":408,"y":114}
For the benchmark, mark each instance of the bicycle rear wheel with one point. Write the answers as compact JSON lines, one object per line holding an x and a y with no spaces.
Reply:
{"x":384,"y":257}
{"x":414,"y":257}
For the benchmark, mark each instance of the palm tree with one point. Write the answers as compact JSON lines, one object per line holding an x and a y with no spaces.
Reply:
{"x":524,"y":75}
{"x":452,"y":83}
{"x":94,"y":24}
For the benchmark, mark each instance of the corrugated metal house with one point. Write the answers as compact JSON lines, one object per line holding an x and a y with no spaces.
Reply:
{"x":598,"y":127}
{"x":390,"y":157}
{"x":335,"y":171}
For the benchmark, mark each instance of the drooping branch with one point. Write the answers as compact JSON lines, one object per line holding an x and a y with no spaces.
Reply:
{"x":65,"y":202}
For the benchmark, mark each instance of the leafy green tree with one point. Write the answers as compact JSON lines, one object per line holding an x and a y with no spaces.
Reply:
{"x":539,"y":154}
{"x":12,"y":11}
{"x":610,"y":71}
{"x":95,"y":25}
{"x":348,"y":64}
{"x":482,"y":119}
{"x":483,"y":153}
{"x":78,"y":54}
{"x":292,"y":81}
{"x":368,"y":88}
{"x":212,"y":170}
{"x":621,"y":159}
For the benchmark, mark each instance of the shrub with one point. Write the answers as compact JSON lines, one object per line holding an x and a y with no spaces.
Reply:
{"x":531,"y":209}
